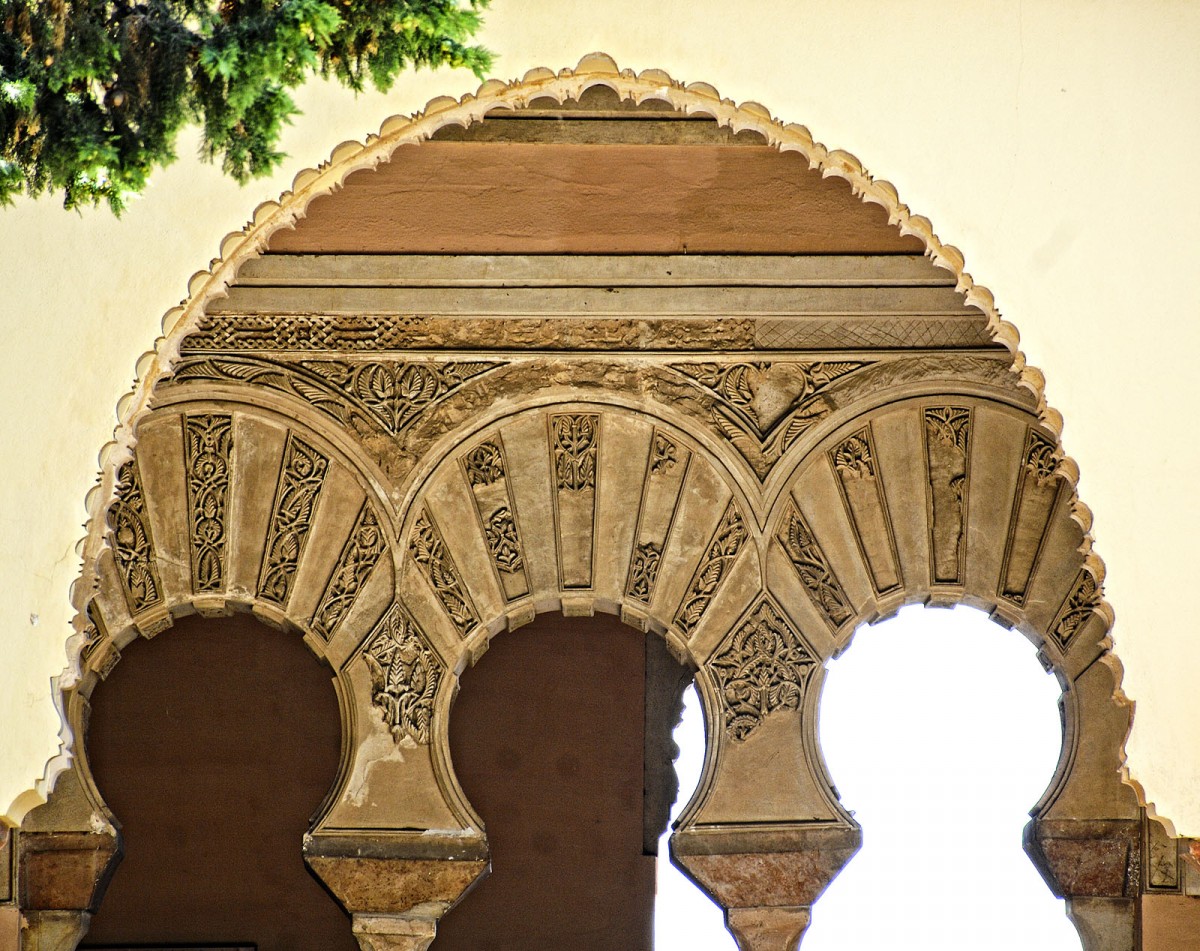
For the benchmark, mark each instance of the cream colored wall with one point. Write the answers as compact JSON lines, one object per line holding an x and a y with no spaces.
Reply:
{"x":1053,"y":143}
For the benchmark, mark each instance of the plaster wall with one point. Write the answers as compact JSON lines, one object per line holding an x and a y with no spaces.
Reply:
{"x":1052,"y":143}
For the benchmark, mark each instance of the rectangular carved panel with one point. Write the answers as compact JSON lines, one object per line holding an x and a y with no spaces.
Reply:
{"x":719,"y":555}
{"x":574,"y":442}
{"x":429,"y":551}
{"x":948,"y":455}
{"x":857,"y":470}
{"x":666,"y":469}
{"x":132,"y":541}
{"x":359,"y":555}
{"x":486,"y":471}
{"x":301,"y":475}
{"x":801,"y":547}
{"x":208,"y":450}
{"x":1038,"y":487}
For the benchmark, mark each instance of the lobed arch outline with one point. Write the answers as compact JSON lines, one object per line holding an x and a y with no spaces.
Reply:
{"x":649,"y":85}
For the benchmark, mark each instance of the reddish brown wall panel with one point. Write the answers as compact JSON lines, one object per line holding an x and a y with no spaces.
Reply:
{"x":482,"y":198}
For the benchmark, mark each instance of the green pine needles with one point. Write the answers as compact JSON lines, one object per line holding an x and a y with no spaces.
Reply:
{"x":94,"y":92}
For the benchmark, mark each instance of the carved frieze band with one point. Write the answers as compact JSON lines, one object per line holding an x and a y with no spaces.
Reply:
{"x":856,"y":466}
{"x":301,"y":476}
{"x":1080,"y":604}
{"x":132,"y":541}
{"x":574,"y":448}
{"x":1038,"y":487}
{"x":208,"y":448}
{"x":947,"y":458}
{"x":389,"y":395}
{"x":762,"y":408}
{"x":486,"y":472}
{"x":666,"y":470}
{"x":405,"y":673}
{"x":800,"y":545}
{"x":429,"y":551}
{"x":763,"y":666}
{"x":359,"y":555}
{"x":719,"y":555}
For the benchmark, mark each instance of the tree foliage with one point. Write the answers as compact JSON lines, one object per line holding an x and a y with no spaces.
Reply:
{"x":93,"y":93}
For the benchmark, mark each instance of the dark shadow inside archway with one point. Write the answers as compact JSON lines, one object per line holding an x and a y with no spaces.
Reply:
{"x":561,"y":739}
{"x":213,"y":745}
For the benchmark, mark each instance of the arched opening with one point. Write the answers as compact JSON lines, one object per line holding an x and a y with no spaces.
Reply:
{"x":560,"y":739}
{"x":214,"y":744}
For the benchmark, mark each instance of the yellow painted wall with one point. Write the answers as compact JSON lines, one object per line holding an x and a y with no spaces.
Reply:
{"x":1053,"y":143}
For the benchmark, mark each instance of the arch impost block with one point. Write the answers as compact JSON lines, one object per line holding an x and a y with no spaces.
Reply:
{"x":1087,"y":858}
{"x":391,"y":874}
{"x":765,"y":866}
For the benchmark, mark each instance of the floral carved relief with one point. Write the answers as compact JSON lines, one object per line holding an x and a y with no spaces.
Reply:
{"x":405,"y":673}
{"x":208,"y":442}
{"x":429,"y":551}
{"x":132,"y":541}
{"x":812,"y":567}
{"x":762,"y":667}
{"x":719,"y":556}
{"x":301,"y":476}
{"x":1081,"y":604}
{"x":358,"y":557}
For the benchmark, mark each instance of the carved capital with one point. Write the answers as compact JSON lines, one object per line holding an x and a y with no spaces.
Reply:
{"x":1095,"y":858}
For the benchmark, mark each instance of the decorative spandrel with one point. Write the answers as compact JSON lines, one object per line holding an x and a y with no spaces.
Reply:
{"x":301,"y":476}
{"x":405,"y":673}
{"x":208,"y":448}
{"x":132,"y":541}
{"x":358,"y":557}
{"x":761,"y":668}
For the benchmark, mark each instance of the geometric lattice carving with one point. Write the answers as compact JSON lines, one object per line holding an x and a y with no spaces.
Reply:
{"x":300,"y":480}
{"x":812,"y":566}
{"x":208,"y":443}
{"x":388,"y":394}
{"x":761,"y":667}
{"x":1080,"y":604}
{"x":1038,"y":488}
{"x":719,"y":556}
{"x":947,"y":455}
{"x":861,"y":484}
{"x":132,"y":542}
{"x":359,"y":555}
{"x":405,"y":673}
{"x":429,"y":551}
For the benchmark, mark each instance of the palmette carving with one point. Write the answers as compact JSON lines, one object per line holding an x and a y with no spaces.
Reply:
{"x":664,"y":454}
{"x":666,"y":471}
{"x":359,"y":556}
{"x":487,"y":475}
{"x":1038,"y":489}
{"x":575,"y":441}
{"x":132,"y":541}
{"x":947,"y":457}
{"x":643,"y":571}
{"x":405,"y":674}
{"x":1081,"y":604}
{"x":806,"y":556}
{"x":854,"y":464}
{"x":575,"y":450}
{"x":719,"y":556}
{"x":389,"y":395}
{"x":762,"y":667}
{"x":429,"y":551}
{"x":208,"y":443}
{"x":300,"y":479}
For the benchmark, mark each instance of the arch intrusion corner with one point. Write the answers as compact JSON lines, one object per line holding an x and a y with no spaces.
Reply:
{"x":400,"y":455}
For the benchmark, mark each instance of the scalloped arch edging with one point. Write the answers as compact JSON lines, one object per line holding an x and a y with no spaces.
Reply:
{"x":594,"y":69}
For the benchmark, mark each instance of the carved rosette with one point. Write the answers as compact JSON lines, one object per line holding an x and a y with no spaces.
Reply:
{"x":359,"y":555}
{"x":300,"y":479}
{"x":762,"y":667}
{"x":132,"y":541}
{"x":208,"y":443}
{"x":805,"y":554}
{"x":405,"y":673}
{"x":429,"y":551}
{"x":719,"y":556}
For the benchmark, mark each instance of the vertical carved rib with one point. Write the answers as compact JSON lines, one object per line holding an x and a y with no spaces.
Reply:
{"x":861,"y":484}
{"x":800,"y":545}
{"x":132,"y":541}
{"x":1038,"y":487}
{"x":429,"y":551}
{"x":208,"y":446}
{"x":719,"y":556}
{"x":301,"y":475}
{"x":359,"y":555}
{"x":486,"y":472}
{"x":1079,"y":605}
{"x":574,"y":441}
{"x":666,"y":469}
{"x":947,"y":456}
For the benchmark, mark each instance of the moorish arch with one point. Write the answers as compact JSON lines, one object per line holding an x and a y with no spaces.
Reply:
{"x":747,"y":409}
